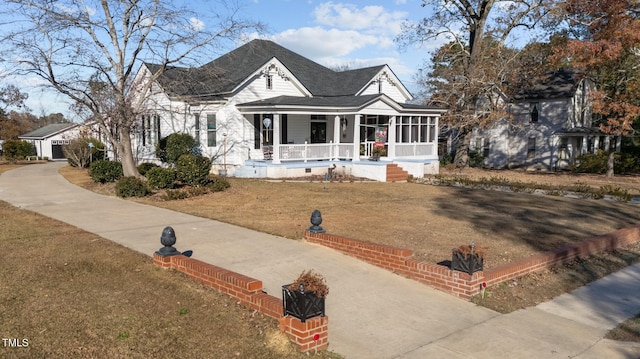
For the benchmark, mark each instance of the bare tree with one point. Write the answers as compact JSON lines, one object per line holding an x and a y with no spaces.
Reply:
{"x":89,"y":50}
{"x":475,"y":28}
{"x":10,"y":96}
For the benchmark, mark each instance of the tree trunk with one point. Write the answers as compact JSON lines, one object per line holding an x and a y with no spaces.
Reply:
{"x":610,"y":159}
{"x":461,"y":159}
{"x":129,"y":168}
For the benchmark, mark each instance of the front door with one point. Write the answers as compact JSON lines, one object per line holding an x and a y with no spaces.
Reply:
{"x":318,"y":132}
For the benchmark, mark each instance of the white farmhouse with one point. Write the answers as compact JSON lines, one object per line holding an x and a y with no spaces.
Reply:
{"x":262,"y":110}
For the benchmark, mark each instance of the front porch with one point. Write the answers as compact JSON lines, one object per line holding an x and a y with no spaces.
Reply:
{"x":295,"y":136}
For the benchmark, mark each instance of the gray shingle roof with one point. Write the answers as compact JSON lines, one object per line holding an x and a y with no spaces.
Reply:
{"x":49,"y":130}
{"x":224,"y":74}
{"x":552,"y":85}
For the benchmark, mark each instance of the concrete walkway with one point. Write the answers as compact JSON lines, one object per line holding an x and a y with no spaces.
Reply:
{"x":372,"y":313}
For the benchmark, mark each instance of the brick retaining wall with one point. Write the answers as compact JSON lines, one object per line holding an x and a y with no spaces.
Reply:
{"x":461,"y":284}
{"x":311,"y":335}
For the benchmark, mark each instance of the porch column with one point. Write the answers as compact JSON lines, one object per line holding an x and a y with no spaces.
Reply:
{"x":335,"y":148}
{"x":585,"y":145}
{"x":336,"y":129}
{"x":596,"y":144}
{"x":356,"y":137}
{"x":391,"y":138}
{"x":618,"y":143}
{"x":276,"y":139}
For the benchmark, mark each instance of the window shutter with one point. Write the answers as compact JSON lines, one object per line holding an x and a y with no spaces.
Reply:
{"x":256,"y":131}
{"x":283,"y":129}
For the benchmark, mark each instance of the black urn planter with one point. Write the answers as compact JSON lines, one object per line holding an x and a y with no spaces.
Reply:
{"x":466,"y":262}
{"x":300,"y":304}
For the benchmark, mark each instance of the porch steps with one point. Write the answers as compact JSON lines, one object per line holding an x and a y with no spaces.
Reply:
{"x":396,"y":174}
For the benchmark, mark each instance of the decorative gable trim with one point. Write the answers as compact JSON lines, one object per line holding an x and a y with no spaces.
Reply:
{"x":387,"y":76}
{"x":277,"y":68}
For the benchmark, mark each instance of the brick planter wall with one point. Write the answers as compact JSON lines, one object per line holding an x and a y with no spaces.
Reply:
{"x":461,"y":284}
{"x":248,"y":291}
{"x":312,"y":334}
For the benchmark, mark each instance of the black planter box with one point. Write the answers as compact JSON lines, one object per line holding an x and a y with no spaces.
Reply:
{"x":468,"y":263}
{"x":301,"y":305}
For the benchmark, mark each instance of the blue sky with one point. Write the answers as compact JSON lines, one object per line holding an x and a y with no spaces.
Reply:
{"x":354,"y":33}
{"x":357,"y":33}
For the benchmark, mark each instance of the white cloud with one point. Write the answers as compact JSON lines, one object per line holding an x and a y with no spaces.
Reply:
{"x":196,"y":24}
{"x":65,"y":9}
{"x":318,"y":42}
{"x":90,"y":10}
{"x":372,"y":18}
{"x":401,"y":2}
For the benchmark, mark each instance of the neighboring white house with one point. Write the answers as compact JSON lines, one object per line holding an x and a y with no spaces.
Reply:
{"x":550,"y":126}
{"x":48,"y":140}
{"x":262,"y":110}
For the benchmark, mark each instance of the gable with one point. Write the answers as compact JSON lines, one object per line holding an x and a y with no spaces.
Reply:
{"x":271,"y":80}
{"x":386,"y":82}
{"x":379,"y":107}
{"x":562,"y":83}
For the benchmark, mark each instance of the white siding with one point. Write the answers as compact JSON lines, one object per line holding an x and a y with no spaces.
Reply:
{"x":256,"y":89}
{"x":509,"y":142}
{"x":379,"y":108}
{"x":387,"y":89}
{"x":387,"y":83}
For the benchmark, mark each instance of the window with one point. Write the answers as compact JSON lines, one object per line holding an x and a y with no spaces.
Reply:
{"x":144,"y":130}
{"x":269,"y":79}
{"x":531,"y":148}
{"x":156,"y":122}
{"x":211,"y":130}
{"x":370,"y":123}
{"x":318,"y":117}
{"x":432,"y":130}
{"x":535,"y":111}
{"x":485,"y":148}
{"x":411,"y":129}
{"x":147,"y":130}
{"x":197,"y":116}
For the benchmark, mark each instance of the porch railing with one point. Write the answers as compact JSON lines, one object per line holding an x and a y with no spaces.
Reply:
{"x":415,"y":149}
{"x":315,"y":151}
{"x":333,"y":151}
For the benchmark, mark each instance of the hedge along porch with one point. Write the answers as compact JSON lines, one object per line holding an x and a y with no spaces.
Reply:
{"x":309,"y":335}
{"x":462,"y":284}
